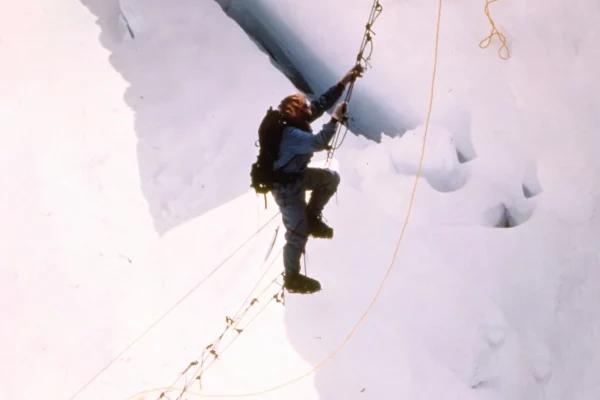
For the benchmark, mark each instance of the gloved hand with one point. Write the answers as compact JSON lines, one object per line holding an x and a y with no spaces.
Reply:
{"x":339,"y":112}
{"x":355,"y":72}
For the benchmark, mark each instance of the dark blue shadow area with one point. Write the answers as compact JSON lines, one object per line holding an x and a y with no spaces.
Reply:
{"x":181,"y":152}
{"x":184,"y":152}
{"x":190,"y":136}
{"x":309,"y":72}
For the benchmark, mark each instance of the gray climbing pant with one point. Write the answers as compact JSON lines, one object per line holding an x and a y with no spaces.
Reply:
{"x":291,"y":200}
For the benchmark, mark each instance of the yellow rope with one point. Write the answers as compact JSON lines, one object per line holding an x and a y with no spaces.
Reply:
{"x":495,"y":32}
{"x":389,"y":270}
{"x":483,"y":44}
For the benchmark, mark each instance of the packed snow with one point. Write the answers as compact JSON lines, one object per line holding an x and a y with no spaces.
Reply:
{"x":128,"y":129}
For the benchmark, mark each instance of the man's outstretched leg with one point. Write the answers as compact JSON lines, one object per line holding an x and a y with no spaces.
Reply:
{"x":323,"y":183}
{"x":293,"y":213}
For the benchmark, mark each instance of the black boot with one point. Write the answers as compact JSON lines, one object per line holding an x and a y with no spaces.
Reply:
{"x":301,"y":284}
{"x":317,"y":228}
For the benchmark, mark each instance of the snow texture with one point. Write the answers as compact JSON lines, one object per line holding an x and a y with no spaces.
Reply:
{"x":128,"y":131}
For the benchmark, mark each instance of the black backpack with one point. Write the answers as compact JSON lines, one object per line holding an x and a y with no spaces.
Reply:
{"x":262,"y":174}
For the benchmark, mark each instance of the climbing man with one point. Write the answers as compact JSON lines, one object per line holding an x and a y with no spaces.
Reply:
{"x":298,"y":143}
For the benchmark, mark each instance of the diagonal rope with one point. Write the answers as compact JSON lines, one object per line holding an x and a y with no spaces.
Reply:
{"x":389,"y":270}
{"x":232,"y":323}
{"x":170,"y":310}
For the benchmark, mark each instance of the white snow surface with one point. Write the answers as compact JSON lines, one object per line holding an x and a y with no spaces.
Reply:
{"x":125,"y":168}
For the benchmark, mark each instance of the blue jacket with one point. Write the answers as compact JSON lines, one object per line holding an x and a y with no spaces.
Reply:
{"x":297,"y":145}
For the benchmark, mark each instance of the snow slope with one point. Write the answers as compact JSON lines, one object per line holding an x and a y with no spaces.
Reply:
{"x":185,"y":124}
{"x":130,"y":187}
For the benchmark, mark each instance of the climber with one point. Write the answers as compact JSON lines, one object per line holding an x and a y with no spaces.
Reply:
{"x":298,"y":144}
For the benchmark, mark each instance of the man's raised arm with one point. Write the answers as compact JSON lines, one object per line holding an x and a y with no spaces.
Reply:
{"x":333,"y":94}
